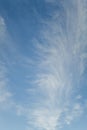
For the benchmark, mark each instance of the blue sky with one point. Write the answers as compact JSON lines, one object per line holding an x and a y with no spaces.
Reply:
{"x":43,"y":65}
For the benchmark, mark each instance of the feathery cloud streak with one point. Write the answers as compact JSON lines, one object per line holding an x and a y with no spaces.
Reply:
{"x":61,"y":51}
{"x":60,"y":63}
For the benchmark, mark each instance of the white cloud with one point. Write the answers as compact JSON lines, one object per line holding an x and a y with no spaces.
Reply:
{"x":5,"y":94}
{"x":76,"y":111}
{"x":79,"y":97}
{"x":59,"y":70}
{"x":3,"y":31}
{"x":60,"y":66}
{"x":47,"y":119}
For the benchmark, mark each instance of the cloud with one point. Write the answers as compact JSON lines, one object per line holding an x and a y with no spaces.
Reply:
{"x":79,"y":97}
{"x":47,"y":119}
{"x":5,"y":48}
{"x":5,"y":94}
{"x":59,"y":49}
{"x":2,"y":28}
{"x":10,"y":60}
{"x":76,"y":111}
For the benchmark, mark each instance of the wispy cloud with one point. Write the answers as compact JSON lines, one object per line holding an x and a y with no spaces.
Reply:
{"x":10,"y":60}
{"x":6,"y":48}
{"x":2,"y":29}
{"x":61,"y":46}
{"x":61,"y":55}
{"x":5,"y":94}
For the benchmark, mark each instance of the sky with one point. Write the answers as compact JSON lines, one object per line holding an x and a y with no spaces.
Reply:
{"x":43,"y":64}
